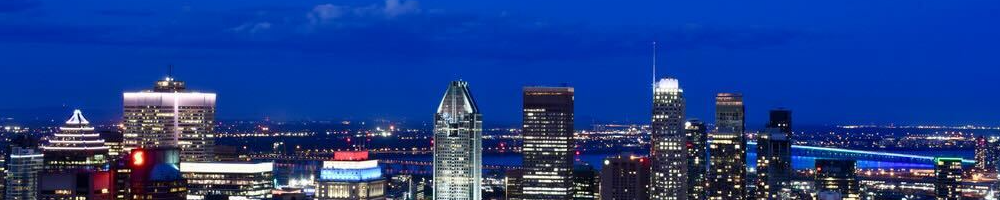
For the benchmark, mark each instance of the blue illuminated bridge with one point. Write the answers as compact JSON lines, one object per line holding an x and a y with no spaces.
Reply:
{"x":838,"y":153}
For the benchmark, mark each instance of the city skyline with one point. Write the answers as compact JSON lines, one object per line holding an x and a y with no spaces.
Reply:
{"x":283,"y":71}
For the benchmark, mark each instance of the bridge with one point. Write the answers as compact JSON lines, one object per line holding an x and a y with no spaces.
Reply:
{"x":839,"y":153}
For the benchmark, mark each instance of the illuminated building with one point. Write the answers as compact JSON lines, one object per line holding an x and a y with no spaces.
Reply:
{"x":24,"y":163}
{"x":232,"y":180}
{"x":150,"y":174}
{"x":625,"y":177}
{"x":986,"y":154}
{"x":727,"y":148}
{"x":547,"y":143}
{"x":697,"y":159}
{"x":512,"y":183}
{"x":113,"y":140}
{"x":774,"y":157}
{"x":350,"y":176}
{"x":669,"y":152}
{"x":169,"y":116}
{"x":79,"y":184}
{"x":458,"y":145}
{"x":75,"y":146}
{"x":403,"y":187}
{"x":837,"y":176}
{"x":948,"y":178}
{"x":585,"y":182}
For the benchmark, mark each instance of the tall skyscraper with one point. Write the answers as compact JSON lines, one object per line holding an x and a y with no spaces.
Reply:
{"x":669,"y":139}
{"x":948,"y":178}
{"x":625,"y":177}
{"x":774,"y":157}
{"x":548,"y":143}
{"x":839,"y":177}
{"x":727,"y":148}
{"x":458,"y":146}
{"x":697,"y":159}
{"x":24,"y":162}
{"x":75,"y":146}
{"x":171,"y":116}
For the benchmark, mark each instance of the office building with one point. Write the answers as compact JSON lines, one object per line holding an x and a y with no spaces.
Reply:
{"x":512,"y":183}
{"x":837,"y":176}
{"x":458,"y":159}
{"x":669,"y":152}
{"x":948,"y":178}
{"x":727,"y":149}
{"x":987,"y":150}
{"x":170,"y":116}
{"x":76,"y":184}
{"x":697,"y":159}
{"x":75,"y":146}
{"x":113,"y":139}
{"x":24,"y":163}
{"x":228,"y":180}
{"x":547,"y":143}
{"x":586,"y":182}
{"x":774,"y":157}
{"x":150,"y":174}
{"x":351,"y":176}
{"x":625,"y":177}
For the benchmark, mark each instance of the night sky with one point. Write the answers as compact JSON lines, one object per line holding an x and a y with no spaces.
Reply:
{"x":831,"y":62}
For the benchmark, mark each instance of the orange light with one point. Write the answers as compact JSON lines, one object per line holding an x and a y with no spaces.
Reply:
{"x":138,"y":158}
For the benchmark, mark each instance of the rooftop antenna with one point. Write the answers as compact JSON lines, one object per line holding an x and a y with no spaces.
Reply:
{"x":654,"y":63}
{"x":170,"y":71}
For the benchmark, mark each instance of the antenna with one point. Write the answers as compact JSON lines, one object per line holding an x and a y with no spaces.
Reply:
{"x":170,"y":71}
{"x":654,"y":63}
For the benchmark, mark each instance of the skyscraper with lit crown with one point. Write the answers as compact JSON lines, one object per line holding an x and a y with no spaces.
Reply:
{"x":727,"y":150}
{"x":171,"y":116}
{"x":458,"y":127}
{"x":75,"y":146}
{"x":669,"y":153}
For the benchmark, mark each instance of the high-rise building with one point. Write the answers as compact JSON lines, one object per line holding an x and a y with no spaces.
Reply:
{"x":669,"y":139}
{"x":585,"y":182}
{"x":458,"y":146}
{"x":774,"y":157}
{"x":948,"y":178}
{"x":75,"y":146}
{"x":697,"y":159}
{"x":228,"y":180}
{"x":625,"y":177}
{"x":512,"y":183}
{"x":24,"y":163}
{"x":837,"y":176}
{"x":727,"y":149}
{"x":351,"y":176}
{"x":547,"y":143}
{"x":987,"y":150}
{"x":150,"y":174}
{"x":171,"y":116}
{"x":113,"y":139}
{"x":76,"y":184}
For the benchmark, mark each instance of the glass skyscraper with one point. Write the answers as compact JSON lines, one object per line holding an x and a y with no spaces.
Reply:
{"x":548,"y":143}
{"x":727,"y":148}
{"x":669,"y":154}
{"x":458,"y":127}
{"x":170,"y":116}
{"x":24,"y":163}
{"x":75,"y":146}
{"x":774,"y":157}
{"x":697,"y":159}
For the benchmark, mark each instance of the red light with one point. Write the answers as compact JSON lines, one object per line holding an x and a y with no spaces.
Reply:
{"x":138,"y":158}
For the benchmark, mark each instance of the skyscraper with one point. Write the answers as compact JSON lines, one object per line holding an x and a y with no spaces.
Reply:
{"x":75,"y":146}
{"x":548,"y":143}
{"x":727,"y":148}
{"x":697,"y":159}
{"x":625,"y":177}
{"x":458,"y":146}
{"x":986,"y":154}
{"x":24,"y":162}
{"x":170,"y":116}
{"x":774,"y":157}
{"x":838,"y":176}
{"x":669,"y":151}
{"x":948,"y":178}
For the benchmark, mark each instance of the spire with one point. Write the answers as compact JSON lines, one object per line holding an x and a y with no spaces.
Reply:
{"x":77,"y":118}
{"x":654,"y":61}
{"x":458,"y":100}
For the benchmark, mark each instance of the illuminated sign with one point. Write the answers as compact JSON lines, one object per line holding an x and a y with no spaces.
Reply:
{"x":138,"y":158}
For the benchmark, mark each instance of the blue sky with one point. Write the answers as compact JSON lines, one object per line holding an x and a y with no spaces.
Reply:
{"x":832,"y":62}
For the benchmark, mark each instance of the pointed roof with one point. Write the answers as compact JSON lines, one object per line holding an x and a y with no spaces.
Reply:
{"x":458,"y":100}
{"x":77,"y":118}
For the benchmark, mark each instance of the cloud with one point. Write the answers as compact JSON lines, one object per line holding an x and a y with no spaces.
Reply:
{"x":18,"y":5}
{"x":252,"y":28}
{"x":324,"y":13}
{"x":396,"y":7}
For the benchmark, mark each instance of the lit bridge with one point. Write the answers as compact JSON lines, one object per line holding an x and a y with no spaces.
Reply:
{"x":838,"y":153}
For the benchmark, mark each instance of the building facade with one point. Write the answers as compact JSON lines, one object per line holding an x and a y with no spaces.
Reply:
{"x":948,"y":178}
{"x":987,"y":150}
{"x":548,"y":145}
{"x":79,"y":184}
{"x":150,"y":174}
{"x":774,"y":157}
{"x":458,"y":145}
{"x":837,"y":176}
{"x":75,"y":146}
{"x":669,"y":151}
{"x":24,"y":165}
{"x":625,"y":177}
{"x":727,"y":148}
{"x":170,"y":116}
{"x":586,"y":182}
{"x":697,"y":159}
{"x":351,"y":176}
{"x":230,"y":180}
